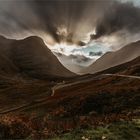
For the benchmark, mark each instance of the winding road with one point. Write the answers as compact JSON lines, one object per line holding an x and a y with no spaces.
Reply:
{"x":63,"y":85}
{"x":126,"y":76}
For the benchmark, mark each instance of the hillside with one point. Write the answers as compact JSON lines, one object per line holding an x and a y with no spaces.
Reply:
{"x":44,"y":108}
{"x":37,"y":101}
{"x":128,"y":68}
{"x":111,"y":59}
{"x":32,"y":57}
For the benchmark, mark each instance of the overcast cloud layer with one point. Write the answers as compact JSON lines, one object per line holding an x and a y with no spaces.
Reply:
{"x":69,"y":20}
{"x":79,"y":30}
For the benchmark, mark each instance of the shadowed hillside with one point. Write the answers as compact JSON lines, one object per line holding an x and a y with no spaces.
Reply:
{"x":129,"y":68}
{"x":41,"y":99}
{"x":32,"y":57}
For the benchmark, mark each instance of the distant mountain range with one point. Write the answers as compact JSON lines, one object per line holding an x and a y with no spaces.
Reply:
{"x":31,"y":57}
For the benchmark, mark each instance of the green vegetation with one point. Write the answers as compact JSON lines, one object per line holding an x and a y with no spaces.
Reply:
{"x":115,"y":131}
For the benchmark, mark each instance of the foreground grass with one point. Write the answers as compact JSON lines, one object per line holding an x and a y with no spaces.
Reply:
{"x":116,"y":131}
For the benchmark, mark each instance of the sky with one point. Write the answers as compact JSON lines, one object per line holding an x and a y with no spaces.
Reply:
{"x":73,"y":27}
{"x":136,"y":2}
{"x":106,"y":44}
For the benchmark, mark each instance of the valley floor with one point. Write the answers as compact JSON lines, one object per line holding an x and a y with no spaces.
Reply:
{"x":94,"y":107}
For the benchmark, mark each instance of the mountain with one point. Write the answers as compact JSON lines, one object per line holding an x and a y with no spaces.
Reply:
{"x":129,"y":68}
{"x":85,"y":102}
{"x":32,"y":57}
{"x":6,"y":65}
{"x":111,"y":59}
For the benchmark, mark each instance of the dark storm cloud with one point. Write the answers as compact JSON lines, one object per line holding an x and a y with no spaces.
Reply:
{"x":48,"y":16}
{"x":118,"y":16}
{"x":44,"y":15}
{"x":55,"y":13}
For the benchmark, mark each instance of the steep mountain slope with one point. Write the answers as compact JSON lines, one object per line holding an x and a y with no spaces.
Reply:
{"x":128,"y":68}
{"x":31,"y":56}
{"x":6,"y":65}
{"x":112,"y":59}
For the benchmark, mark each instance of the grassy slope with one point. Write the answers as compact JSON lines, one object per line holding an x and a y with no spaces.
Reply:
{"x":74,"y":111}
{"x":96,"y":103}
{"x":115,"y":131}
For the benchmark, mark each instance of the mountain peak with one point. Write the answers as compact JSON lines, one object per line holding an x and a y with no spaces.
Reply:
{"x":32,"y":57}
